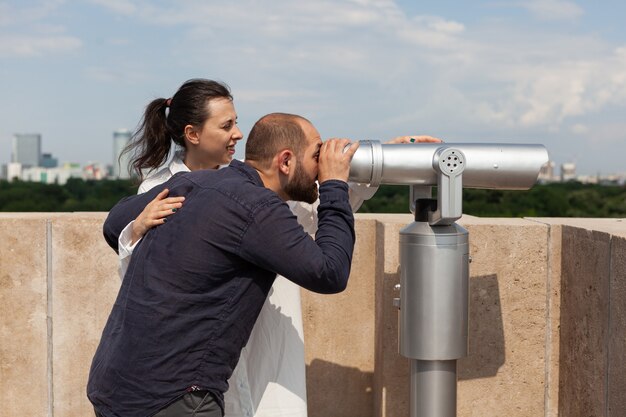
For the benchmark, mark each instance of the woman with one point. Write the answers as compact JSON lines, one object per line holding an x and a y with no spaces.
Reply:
{"x":201,"y":120}
{"x":269,"y":379}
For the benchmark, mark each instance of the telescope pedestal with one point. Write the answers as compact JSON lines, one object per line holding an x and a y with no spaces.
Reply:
{"x":434,"y":310}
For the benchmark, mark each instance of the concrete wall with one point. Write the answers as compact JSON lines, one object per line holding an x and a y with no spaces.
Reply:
{"x":592,"y":349}
{"x":547,"y":319}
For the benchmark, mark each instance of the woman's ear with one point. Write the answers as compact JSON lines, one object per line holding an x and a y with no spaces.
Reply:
{"x":191,"y":135}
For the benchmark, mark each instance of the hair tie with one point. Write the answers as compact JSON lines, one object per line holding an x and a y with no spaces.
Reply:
{"x":168,"y":102}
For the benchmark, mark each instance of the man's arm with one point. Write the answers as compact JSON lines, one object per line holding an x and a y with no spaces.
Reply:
{"x":275,"y":241}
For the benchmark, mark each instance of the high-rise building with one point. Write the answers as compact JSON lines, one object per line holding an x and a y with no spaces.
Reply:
{"x":27,"y":149}
{"x":121,"y":138}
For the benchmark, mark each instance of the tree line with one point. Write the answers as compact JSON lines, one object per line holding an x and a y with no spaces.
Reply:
{"x":570,"y":199}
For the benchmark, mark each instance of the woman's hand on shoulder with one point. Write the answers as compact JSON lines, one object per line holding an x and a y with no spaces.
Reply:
{"x":155,"y":213}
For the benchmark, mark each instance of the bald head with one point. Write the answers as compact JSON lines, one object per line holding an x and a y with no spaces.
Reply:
{"x":273,"y":133}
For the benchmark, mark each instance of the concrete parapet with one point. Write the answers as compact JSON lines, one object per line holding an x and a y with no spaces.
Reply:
{"x":24,"y":345}
{"x":592,"y":350}
{"x":547,"y":319}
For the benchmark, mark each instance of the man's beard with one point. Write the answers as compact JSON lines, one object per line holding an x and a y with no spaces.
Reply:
{"x":301,"y":187}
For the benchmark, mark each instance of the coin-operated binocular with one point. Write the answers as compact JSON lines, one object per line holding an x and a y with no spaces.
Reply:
{"x":434,"y":250}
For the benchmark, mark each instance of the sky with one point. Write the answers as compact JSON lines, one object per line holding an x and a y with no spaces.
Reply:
{"x":519,"y":71}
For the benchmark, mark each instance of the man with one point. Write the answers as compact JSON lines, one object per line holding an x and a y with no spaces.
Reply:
{"x":196,"y":284}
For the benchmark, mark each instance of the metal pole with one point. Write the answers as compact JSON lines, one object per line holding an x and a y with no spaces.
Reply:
{"x":433,"y":388}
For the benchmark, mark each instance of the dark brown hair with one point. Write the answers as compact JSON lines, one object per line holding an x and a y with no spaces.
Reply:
{"x":151,"y":143}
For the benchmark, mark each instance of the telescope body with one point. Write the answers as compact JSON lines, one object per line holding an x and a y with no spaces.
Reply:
{"x":489,"y":166}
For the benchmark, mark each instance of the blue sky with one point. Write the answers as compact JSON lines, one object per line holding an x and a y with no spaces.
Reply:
{"x":521,"y":71}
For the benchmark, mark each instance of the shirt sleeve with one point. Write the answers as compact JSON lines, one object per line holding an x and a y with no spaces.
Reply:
{"x":307,"y":213}
{"x":359,"y":193}
{"x":275,"y":241}
{"x":125,"y":211}
{"x":125,"y":248}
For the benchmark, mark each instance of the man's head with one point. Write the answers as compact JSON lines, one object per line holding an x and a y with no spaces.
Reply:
{"x":284,"y":148}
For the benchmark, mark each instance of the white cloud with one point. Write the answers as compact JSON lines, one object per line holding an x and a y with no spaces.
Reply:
{"x":431,"y":32}
{"x":579,"y":129}
{"x":12,"y":15}
{"x":117,"y":75}
{"x":35,"y":46}
{"x":494,"y":75}
{"x":123,"y":7}
{"x":549,"y":93}
{"x":554,"y":9}
{"x":28,"y":33}
{"x":270,"y":96}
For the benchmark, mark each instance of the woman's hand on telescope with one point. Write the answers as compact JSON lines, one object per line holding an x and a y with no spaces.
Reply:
{"x":414,"y":139}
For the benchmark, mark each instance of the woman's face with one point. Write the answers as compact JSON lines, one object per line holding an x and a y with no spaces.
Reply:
{"x":215,"y":144}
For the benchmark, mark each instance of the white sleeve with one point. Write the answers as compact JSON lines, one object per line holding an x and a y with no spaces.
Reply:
{"x":125,"y":248}
{"x":307,"y":213}
{"x":359,"y":193}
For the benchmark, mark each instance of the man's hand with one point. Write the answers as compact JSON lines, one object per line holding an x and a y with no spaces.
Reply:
{"x":334,"y":159}
{"x":414,"y":139}
{"x":155,"y":213}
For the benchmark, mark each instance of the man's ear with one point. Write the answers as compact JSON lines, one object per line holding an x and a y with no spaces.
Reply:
{"x":285,"y":161}
{"x":191,"y":135}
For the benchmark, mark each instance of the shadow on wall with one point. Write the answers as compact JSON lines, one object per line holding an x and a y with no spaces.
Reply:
{"x":486,"y":343}
{"x":338,"y":391}
{"x":486,"y":332}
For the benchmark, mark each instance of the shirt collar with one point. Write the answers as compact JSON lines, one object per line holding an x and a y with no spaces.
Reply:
{"x":247,"y":170}
{"x":177,"y":164}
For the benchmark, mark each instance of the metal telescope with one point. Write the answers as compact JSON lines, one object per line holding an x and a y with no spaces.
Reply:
{"x":434,"y":250}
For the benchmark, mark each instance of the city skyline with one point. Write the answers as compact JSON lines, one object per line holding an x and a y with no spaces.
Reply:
{"x":550,"y":71}
{"x":119,"y":167}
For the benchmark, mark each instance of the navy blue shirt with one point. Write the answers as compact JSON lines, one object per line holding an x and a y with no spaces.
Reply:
{"x":196,"y":284}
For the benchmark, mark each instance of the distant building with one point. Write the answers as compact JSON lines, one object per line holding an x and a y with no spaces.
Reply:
{"x":14,"y":170}
{"x":568,"y":171}
{"x":27,"y":149}
{"x":588,"y":179}
{"x":94,"y":171}
{"x":120,"y":165}
{"x":48,"y":161}
{"x":58,"y":175}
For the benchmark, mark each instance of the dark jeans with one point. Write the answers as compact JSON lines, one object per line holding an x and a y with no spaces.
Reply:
{"x":192,"y":404}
